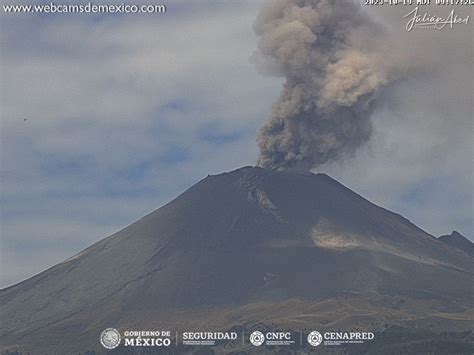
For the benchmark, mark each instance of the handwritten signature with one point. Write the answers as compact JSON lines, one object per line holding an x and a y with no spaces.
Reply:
{"x":427,"y":20}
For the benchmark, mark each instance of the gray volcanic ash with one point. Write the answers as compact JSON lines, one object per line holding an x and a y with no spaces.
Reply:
{"x":335,"y":60}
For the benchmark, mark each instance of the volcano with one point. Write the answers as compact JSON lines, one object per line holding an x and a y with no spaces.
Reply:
{"x":247,"y":247}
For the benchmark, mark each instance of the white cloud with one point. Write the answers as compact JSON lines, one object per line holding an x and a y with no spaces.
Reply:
{"x":107,"y":98}
{"x":103,"y":97}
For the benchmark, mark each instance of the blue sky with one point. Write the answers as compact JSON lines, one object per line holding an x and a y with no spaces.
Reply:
{"x":125,"y":112}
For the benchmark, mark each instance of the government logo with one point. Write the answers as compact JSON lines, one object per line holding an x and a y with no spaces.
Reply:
{"x":315,"y":338}
{"x":110,"y":338}
{"x":257,"y":338}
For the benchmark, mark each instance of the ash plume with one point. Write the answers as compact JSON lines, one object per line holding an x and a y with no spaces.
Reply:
{"x":333,"y":58}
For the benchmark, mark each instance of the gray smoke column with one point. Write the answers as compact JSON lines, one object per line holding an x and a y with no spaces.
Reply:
{"x":334,"y":60}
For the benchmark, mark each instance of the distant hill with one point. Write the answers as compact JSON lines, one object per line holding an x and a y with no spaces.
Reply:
{"x":457,"y":240}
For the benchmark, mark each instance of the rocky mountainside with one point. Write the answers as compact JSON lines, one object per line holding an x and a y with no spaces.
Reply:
{"x":250,"y":236}
{"x":457,"y":240}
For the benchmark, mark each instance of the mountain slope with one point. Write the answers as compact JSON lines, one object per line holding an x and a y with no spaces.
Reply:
{"x":457,"y":240}
{"x":251,"y":235}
